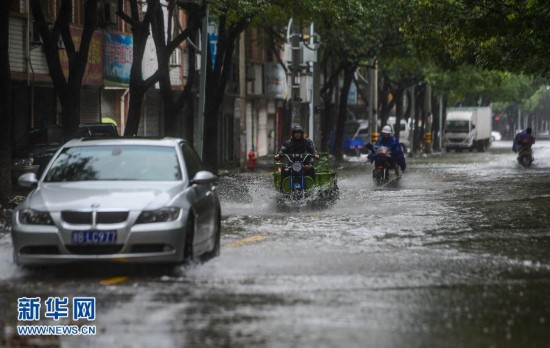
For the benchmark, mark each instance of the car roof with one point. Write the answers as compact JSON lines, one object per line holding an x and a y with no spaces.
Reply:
{"x":98,"y":124}
{"x":149,"y":141}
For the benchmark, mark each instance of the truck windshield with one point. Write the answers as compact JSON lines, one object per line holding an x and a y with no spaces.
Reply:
{"x":457,"y":126}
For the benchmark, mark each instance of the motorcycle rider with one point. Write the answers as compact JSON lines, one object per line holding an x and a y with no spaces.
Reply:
{"x":523,"y":141}
{"x":298,"y":144}
{"x":387,"y":139}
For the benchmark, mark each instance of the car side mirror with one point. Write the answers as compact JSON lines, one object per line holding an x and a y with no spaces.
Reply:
{"x":28,"y":180}
{"x":204,"y":177}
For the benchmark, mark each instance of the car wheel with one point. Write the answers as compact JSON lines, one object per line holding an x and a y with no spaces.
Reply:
{"x":188,"y":256}
{"x":217,"y":240}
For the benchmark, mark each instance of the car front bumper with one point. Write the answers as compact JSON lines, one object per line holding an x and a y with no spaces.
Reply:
{"x":145,"y":243}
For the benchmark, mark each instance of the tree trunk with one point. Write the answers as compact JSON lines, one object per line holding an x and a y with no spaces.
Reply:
{"x":68,"y":91}
{"x":327,"y":93}
{"x":398,"y":110}
{"x":159,"y":37}
{"x":186,"y":101}
{"x":349,"y":70}
{"x":138,"y":87}
{"x":385,"y":105}
{"x":215,"y":89}
{"x":137,"y":94}
{"x":5,"y":105}
{"x":70,"y":112}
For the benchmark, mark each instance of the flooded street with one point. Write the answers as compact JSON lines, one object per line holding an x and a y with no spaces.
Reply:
{"x":455,"y":254}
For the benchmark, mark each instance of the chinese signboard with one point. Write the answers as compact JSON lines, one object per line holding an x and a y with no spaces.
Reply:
{"x":118,"y":59}
{"x":93,"y":75}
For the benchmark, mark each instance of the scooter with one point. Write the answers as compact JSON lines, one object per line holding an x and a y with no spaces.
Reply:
{"x":295,"y":169}
{"x":525,"y":156}
{"x":382,"y":164}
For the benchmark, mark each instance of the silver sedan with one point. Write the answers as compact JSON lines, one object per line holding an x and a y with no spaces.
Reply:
{"x":121,"y":200}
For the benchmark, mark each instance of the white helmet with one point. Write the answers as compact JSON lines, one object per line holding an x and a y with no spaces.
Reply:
{"x":386,"y":129}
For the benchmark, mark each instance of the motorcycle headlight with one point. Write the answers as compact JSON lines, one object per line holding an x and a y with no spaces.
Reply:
{"x":33,"y":217}
{"x":160,"y":215}
{"x":296,"y":166}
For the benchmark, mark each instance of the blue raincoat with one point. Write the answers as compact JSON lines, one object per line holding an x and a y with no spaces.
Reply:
{"x":393,"y":145}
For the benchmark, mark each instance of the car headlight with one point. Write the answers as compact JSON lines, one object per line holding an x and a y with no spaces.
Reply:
{"x":160,"y":215}
{"x":33,"y":217}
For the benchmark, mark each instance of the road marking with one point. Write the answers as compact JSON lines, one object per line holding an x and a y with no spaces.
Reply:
{"x":113,"y":280}
{"x":248,"y":240}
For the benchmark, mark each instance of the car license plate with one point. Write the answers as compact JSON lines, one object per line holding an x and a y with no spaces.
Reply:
{"x":94,"y":237}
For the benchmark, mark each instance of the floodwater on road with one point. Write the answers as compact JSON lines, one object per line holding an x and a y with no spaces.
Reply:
{"x":455,"y":254}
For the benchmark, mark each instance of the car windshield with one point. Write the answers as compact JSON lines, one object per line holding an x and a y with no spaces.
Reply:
{"x":350,"y":129}
{"x":115,"y":162}
{"x":457,"y":126}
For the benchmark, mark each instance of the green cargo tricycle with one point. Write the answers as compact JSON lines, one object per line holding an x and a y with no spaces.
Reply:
{"x":295,"y":180}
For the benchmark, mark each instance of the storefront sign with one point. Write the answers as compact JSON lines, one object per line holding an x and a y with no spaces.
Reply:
{"x":93,"y":75}
{"x":118,"y":59}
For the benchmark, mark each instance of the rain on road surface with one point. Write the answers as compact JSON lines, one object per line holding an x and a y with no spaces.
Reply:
{"x":456,"y":254}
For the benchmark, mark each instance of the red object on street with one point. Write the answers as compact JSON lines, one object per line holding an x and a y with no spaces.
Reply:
{"x":251,"y":159}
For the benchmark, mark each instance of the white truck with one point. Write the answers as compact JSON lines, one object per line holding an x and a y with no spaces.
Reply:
{"x":468,"y":128}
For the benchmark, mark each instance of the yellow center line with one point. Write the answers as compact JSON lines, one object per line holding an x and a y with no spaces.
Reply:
{"x":248,"y":240}
{"x":113,"y":280}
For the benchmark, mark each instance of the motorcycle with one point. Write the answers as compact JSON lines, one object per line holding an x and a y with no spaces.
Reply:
{"x":525,"y":156}
{"x":296,"y":180}
{"x":382,"y":165}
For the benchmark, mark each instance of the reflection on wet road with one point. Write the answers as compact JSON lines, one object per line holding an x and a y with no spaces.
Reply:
{"x":455,"y":254}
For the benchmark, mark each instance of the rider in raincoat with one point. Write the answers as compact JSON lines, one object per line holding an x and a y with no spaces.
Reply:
{"x":298,"y":144}
{"x":523,"y":139}
{"x":387,"y":139}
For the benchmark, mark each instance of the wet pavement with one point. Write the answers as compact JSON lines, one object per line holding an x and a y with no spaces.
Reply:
{"x":457,"y":253}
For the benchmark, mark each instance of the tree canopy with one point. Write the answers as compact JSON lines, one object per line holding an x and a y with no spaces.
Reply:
{"x":505,"y":35}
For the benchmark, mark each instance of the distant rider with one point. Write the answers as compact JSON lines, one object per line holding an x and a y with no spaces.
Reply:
{"x":523,"y":140}
{"x":298,"y":144}
{"x":387,"y":139}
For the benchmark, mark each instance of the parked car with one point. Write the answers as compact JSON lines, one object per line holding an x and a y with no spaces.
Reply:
{"x":356,"y":136}
{"x":119,"y":199}
{"x":45,"y":143}
{"x":495,"y":136}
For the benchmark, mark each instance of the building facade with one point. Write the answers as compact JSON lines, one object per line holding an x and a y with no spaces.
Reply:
{"x":105,"y":93}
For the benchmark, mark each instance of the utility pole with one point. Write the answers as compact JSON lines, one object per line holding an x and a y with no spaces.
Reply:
{"x":242,"y":101}
{"x":373,"y":102}
{"x":202,"y":94}
{"x":415,"y":121}
{"x":440,"y":137}
{"x":428,"y":119}
{"x":313,"y":83}
{"x":295,"y":38}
